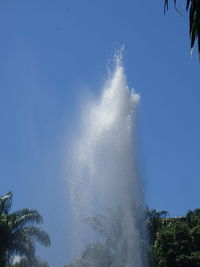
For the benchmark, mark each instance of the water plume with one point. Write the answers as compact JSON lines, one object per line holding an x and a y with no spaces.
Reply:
{"x":105,"y":176}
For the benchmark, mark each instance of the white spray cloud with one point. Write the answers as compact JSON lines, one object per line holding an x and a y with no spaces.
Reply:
{"x":105,"y":175}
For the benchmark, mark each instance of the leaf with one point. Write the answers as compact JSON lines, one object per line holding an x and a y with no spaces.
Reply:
{"x":175,"y":3}
{"x":166,"y":6}
{"x":188,"y":4}
{"x":191,"y":18}
{"x":193,"y":36}
{"x":26,"y":216}
{"x":6,"y":203}
{"x":38,"y":234}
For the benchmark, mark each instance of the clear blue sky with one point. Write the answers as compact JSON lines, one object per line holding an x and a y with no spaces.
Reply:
{"x":52,"y":54}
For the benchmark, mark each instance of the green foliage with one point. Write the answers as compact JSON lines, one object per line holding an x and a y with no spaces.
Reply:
{"x":193,"y":7}
{"x":93,"y":255}
{"x":35,"y":262}
{"x":18,"y":232}
{"x":173,"y":242}
{"x":6,"y":203}
{"x":113,"y":251}
{"x":177,"y":242}
{"x":154,"y":222}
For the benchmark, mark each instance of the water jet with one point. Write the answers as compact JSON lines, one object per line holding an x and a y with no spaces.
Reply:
{"x":105,"y":189}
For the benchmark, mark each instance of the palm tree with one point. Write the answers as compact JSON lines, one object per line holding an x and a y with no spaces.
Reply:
{"x":118,"y":235}
{"x":36,"y":262}
{"x":154,"y":222}
{"x":5,"y":203}
{"x":109,"y":227}
{"x":18,"y":232}
{"x":193,"y":6}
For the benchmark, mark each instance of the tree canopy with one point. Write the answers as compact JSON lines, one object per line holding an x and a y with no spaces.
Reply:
{"x":172,"y":241}
{"x":177,"y":242}
{"x":35,"y":262}
{"x":18,"y":232}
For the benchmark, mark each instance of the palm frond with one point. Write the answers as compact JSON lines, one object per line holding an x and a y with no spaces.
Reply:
{"x":194,"y":21}
{"x":6,"y":203}
{"x":155,"y":214}
{"x":23,"y":246}
{"x":188,"y":4}
{"x":25,"y":217}
{"x":20,"y":244}
{"x":18,"y":233}
{"x":193,"y":7}
{"x":166,"y":6}
{"x":38,"y":235}
{"x":97,"y":224}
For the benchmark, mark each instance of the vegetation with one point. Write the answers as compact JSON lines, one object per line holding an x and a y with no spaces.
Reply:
{"x":193,"y":7}
{"x":113,"y":249}
{"x":18,"y":232}
{"x":172,"y":241}
{"x":177,"y":242}
{"x":154,"y":222}
{"x":24,"y":262}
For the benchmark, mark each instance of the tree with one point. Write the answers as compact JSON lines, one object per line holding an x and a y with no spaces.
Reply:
{"x":93,"y":255}
{"x":154,"y":222}
{"x":177,"y":243}
{"x":193,"y":7}
{"x":116,"y":248}
{"x":18,"y":232}
{"x":173,"y":241}
{"x":35,"y":262}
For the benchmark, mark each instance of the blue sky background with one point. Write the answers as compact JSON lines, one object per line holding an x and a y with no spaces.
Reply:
{"x":52,"y":54}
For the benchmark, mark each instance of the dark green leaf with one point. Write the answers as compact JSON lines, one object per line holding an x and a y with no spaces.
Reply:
{"x":193,"y":37}
{"x":191,"y":19}
{"x":166,"y":6}
{"x":188,"y":3}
